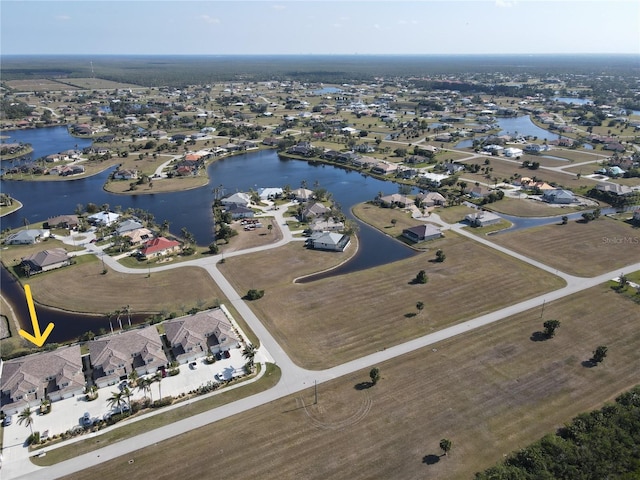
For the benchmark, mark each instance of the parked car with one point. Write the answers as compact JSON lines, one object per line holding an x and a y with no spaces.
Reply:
{"x":8,"y":420}
{"x":86,"y":420}
{"x":193,"y":365}
{"x":227,"y":354}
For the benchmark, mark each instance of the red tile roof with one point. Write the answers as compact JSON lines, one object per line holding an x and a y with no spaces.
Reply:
{"x":158,"y":245}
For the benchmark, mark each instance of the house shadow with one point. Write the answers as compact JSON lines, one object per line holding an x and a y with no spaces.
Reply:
{"x":589,"y":363}
{"x":363,"y":386}
{"x":538,"y":337}
{"x":430,"y":459}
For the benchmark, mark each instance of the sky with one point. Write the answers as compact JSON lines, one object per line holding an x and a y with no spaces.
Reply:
{"x":336,"y":27}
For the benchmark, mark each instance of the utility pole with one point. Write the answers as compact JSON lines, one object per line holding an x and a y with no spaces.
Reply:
{"x":542,"y":311}
{"x":315,"y":388}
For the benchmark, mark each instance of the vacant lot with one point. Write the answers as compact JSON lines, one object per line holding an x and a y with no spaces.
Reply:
{"x":526,"y":207}
{"x":330,"y":321}
{"x":506,"y":169}
{"x":583,"y":249}
{"x":490,"y":391}
{"x":83,"y":288}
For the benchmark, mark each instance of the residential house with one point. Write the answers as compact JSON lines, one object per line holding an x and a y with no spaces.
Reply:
{"x":45,"y":260}
{"x":302,"y":148}
{"x":27,"y":237}
{"x":128,"y":225}
{"x":452,"y":167}
{"x":535,"y":148}
{"x":302,"y":194}
{"x":396,"y":199}
{"x":614,"y":188}
{"x":336,"y":242}
{"x":138,"y":236}
{"x":431,"y":199}
{"x":63,"y":221}
{"x":160,"y":246}
{"x":482,"y":219}
{"x":477,"y":191}
{"x":114,"y":357}
{"x":270,"y":141}
{"x":197,"y":335}
{"x":270,"y":193}
{"x":238,"y":211}
{"x":512,"y":152}
{"x":636,"y":215}
{"x":103,"y":218}
{"x":54,"y":375}
{"x":125,"y":174}
{"x":384,"y":168}
{"x":421,"y":233}
{"x":558,"y":195}
{"x":241,"y":199}
{"x":314,"y":210}
{"x":328,"y":225}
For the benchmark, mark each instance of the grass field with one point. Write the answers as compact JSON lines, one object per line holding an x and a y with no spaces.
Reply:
{"x":76,"y":289}
{"x":490,"y":392}
{"x":454,"y":214}
{"x":577,"y":248}
{"x":359,"y":313}
{"x":525,"y":207}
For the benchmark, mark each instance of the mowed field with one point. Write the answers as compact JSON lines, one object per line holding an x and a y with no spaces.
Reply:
{"x":83,"y":288}
{"x":582,"y":249}
{"x":490,"y":391}
{"x":333,"y":320}
{"x":526,"y":207}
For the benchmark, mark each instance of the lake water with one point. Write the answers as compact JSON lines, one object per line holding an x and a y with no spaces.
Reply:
{"x":192,"y":208}
{"x":326,"y":90}
{"x":515,"y":126}
{"x":45,"y":141}
{"x":573,"y":100}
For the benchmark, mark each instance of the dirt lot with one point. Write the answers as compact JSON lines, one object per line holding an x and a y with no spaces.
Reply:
{"x":377,"y":307}
{"x":577,"y":248}
{"x":490,"y":392}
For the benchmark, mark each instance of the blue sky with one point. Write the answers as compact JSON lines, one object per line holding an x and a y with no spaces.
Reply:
{"x":319,"y":27}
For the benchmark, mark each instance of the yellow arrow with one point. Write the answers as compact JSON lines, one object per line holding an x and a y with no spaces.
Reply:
{"x":37,"y":337}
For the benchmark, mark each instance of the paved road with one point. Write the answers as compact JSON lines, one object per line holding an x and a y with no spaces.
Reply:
{"x":294,"y":378}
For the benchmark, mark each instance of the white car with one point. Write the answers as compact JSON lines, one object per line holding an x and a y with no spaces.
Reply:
{"x":193,"y":365}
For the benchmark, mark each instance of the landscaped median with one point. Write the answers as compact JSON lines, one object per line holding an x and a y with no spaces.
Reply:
{"x":195,"y":405}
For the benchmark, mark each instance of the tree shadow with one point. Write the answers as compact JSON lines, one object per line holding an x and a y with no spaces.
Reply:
{"x":430,"y":459}
{"x":409,"y":315}
{"x":589,"y":363}
{"x":363,"y":385}
{"x":538,"y":337}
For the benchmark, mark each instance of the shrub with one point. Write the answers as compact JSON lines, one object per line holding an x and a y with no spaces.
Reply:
{"x":163,"y":402}
{"x":254,"y":294}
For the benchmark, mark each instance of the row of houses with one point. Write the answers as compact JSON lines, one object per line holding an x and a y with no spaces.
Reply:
{"x":61,"y":374}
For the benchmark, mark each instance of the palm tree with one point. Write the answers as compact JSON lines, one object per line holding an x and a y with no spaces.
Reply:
{"x":26,"y":417}
{"x":116,"y":400}
{"x":420,"y":306}
{"x":144,"y":384}
{"x":127,"y":393}
{"x":159,"y":380}
{"x":133,"y":378}
{"x":249,"y":353}
{"x":127,"y":310}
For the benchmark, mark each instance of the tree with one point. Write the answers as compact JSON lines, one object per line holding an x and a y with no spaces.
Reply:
{"x":550,"y":327}
{"x":599,"y":354}
{"x":159,"y":380}
{"x":134,"y":378}
{"x":421,"y":277}
{"x":144,"y":385}
{"x":254,"y":294}
{"x":445,"y":445}
{"x":565,"y":219}
{"x":26,"y":417}
{"x":374,"y":375}
{"x":116,"y":400}
{"x":213,"y":248}
{"x":270,"y":228}
{"x":249,"y":353}
{"x":420,"y":306}
{"x":440,"y":256}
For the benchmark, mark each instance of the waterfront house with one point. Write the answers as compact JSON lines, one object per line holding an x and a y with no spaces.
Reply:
{"x":241,"y":199}
{"x":422,"y":233}
{"x":45,"y":260}
{"x":30,"y":379}
{"x":63,"y":221}
{"x":158,"y":247}
{"x":197,"y":335}
{"x":103,"y":218}
{"x":336,"y":242}
{"x":27,"y":237}
{"x":482,"y":219}
{"x":114,"y":357}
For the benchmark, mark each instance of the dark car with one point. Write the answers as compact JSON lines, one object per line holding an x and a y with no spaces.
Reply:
{"x":86,"y":420}
{"x":227,"y":354}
